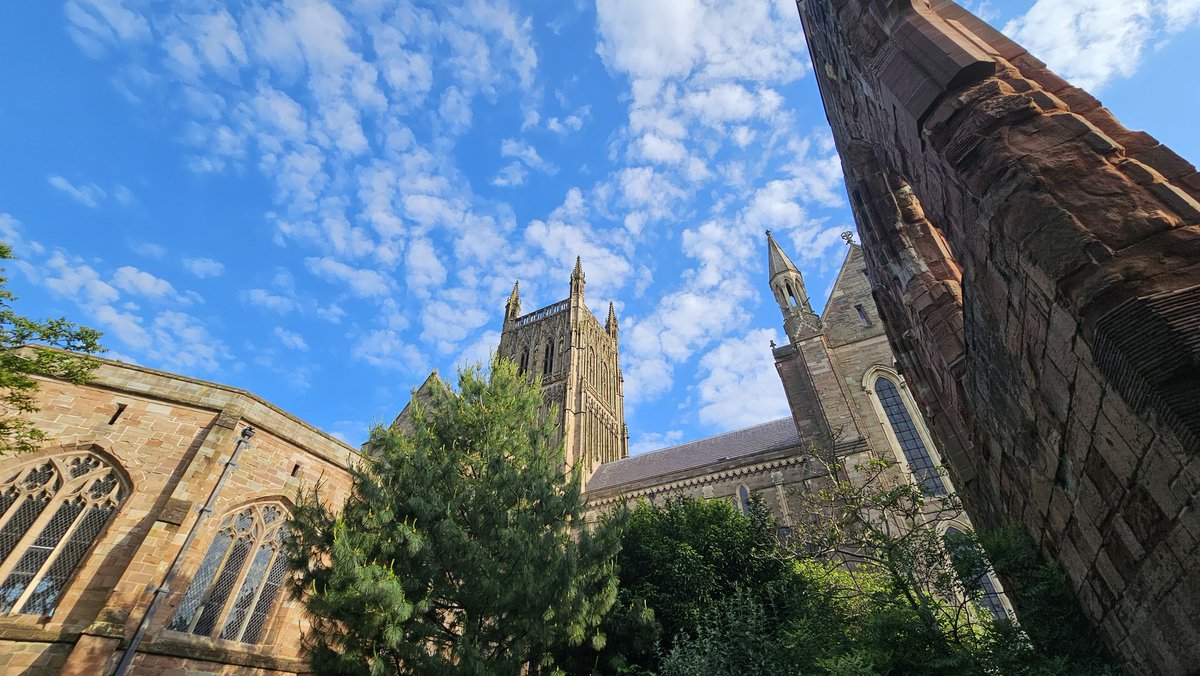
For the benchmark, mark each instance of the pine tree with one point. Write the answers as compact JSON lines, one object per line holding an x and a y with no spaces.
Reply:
{"x":462,"y":547}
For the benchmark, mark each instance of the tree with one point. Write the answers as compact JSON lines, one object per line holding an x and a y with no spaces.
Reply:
{"x":709,"y":577}
{"x":462,"y":547}
{"x":18,"y":387}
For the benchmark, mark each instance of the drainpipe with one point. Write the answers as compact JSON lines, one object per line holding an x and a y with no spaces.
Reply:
{"x":164,"y":589}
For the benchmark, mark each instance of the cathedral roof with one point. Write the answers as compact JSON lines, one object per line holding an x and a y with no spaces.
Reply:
{"x":769,"y":436}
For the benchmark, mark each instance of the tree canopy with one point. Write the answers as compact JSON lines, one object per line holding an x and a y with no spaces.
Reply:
{"x":462,"y":547}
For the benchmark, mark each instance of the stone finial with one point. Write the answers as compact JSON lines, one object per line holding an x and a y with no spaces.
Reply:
{"x":848,"y":237}
{"x":611,"y":325}
{"x":772,"y":344}
{"x":578,"y":273}
{"x":768,"y":231}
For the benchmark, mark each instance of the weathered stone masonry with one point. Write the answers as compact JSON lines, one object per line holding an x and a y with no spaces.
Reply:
{"x":1038,"y":266}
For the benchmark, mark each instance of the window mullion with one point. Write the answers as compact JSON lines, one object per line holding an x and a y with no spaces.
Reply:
{"x":58,"y":546}
{"x":31,"y":534}
{"x":247,"y":563}
{"x":208,"y":585}
{"x":257,"y":593}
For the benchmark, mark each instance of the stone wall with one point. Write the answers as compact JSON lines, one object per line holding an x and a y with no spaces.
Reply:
{"x":171,"y":439}
{"x":1039,"y":269}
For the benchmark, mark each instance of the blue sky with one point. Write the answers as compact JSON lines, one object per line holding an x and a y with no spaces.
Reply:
{"x":321,"y":202}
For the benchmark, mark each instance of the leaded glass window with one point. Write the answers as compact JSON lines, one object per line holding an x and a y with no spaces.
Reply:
{"x":916,"y":454}
{"x":235,"y":587}
{"x":983,"y":586}
{"x":744,"y":498}
{"x":51,"y":511}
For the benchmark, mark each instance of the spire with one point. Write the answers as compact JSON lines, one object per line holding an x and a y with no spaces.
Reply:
{"x":787,"y":285}
{"x":512,"y":309}
{"x":611,"y":325}
{"x":779,"y":261}
{"x":577,"y":279}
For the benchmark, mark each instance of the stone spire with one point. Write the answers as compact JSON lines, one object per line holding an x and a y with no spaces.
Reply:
{"x":577,"y":280}
{"x":611,"y":324}
{"x":512,"y":309}
{"x":787,"y":285}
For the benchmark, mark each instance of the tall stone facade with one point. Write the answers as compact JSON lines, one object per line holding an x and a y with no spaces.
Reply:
{"x":1038,"y":268}
{"x":577,"y":361}
{"x":93,"y":528}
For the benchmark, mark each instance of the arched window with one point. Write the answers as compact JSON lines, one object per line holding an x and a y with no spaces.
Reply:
{"x":548,"y":358}
{"x":524,"y":364}
{"x":234,"y":589}
{"x":744,"y":498}
{"x":51,"y":511}
{"x":984,"y":585}
{"x":791,"y":294}
{"x":920,"y":463}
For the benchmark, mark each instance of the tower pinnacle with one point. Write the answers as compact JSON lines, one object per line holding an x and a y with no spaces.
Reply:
{"x":577,"y":279}
{"x":611,"y":324}
{"x":512,"y":309}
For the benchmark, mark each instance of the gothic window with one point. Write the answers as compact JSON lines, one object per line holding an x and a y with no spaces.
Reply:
{"x":523,"y":366}
{"x":984,"y":585}
{"x":234,"y":590}
{"x":916,"y":454}
{"x":51,"y":512}
{"x":744,"y":498}
{"x":791,"y":294}
{"x":548,"y":358}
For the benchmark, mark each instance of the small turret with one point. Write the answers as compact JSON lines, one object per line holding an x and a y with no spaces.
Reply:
{"x":611,"y":324}
{"x":787,"y":285}
{"x":512,"y":309}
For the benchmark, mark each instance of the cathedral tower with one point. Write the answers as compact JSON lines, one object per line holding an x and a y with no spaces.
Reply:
{"x":576,"y":358}
{"x":788,"y":287}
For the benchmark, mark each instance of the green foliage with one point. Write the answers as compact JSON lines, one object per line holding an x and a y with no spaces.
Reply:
{"x":17,"y":385}
{"x":462,"y":547}
{"x":1053,"y":636}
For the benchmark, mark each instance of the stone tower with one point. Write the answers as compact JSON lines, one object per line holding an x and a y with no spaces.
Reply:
{"x":1036,"y":263}
{"x":576,"y":358}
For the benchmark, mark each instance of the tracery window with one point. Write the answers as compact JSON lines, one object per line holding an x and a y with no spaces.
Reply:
{"x":548,"y":359}
{"x":234,"y":590}
{"x":984,"y":585}
{"x":51,"y":511}
{"x":916,"y":454}
{"x":524,"y":365}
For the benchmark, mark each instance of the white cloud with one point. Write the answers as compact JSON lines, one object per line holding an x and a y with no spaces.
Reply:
{"x":140,"y":283}
{"x":386,"y":349}
{"x":739,"y":385}
{"x":512,"y":175}
{"x":653,"y":441}
{"x":72,"y":278}
{"x":290,"y":339}
{"x":424,"y":267}
{"x":96,"y":25}
{"x":526,"y":153}
{"x":361,"y":281}
{"x":269,"y":300}
{"x":88,"y":194}
{"x":204,"y":267}
{"x":1089,"y":42}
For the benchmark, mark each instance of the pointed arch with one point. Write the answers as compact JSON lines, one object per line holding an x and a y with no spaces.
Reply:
{"x":237,"y":585}
{"x":904,"y":428}
{"x":743,"y":498}
{"x":984,"y":590}
{"x":53,"y":509}
{"x":548,"y":358}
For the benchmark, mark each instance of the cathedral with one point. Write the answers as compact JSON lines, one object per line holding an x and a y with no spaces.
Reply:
{"x":1023,"y":308}
{"x":147,"y":534}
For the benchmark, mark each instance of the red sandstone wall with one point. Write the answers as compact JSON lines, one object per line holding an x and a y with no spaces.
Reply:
{"x":1039,"y":268}
{"x":171,"y":440}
